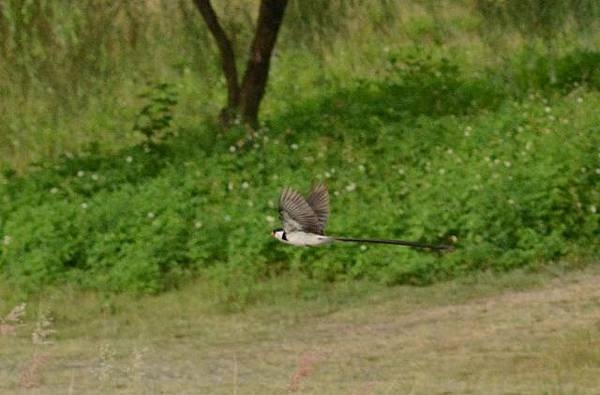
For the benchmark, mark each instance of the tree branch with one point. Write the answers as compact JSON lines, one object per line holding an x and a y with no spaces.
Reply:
{"x":270,"y":17}
{"x":227,"y":55}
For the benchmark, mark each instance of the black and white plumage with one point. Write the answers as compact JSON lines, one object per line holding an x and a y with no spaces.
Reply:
{"x":304,"y":221}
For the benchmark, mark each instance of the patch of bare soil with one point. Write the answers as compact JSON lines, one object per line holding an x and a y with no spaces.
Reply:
{"x":543,"y":340}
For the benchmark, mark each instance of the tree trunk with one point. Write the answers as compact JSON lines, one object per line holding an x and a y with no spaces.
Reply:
{"x":246,"y":100}
{"x":227,"y":60}
{"x":270,"y":17}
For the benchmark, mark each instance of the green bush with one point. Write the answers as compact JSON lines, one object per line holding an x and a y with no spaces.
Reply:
{"x":534,"y":71}
{"x":428,"y":152}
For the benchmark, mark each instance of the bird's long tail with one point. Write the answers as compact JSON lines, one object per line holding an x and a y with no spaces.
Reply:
{"x":413,"y":244}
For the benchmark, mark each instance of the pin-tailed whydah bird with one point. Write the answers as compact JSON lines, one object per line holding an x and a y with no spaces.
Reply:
{"x":304,"y":221}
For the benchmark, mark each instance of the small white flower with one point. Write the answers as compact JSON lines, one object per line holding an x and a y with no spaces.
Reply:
{"x":232,"y":149}
{"x":227,"y":218}
{"x":146,"y":149}
{"x":496,"y":161}
{"x":511,"y":202}
{"x":327,"y":174}
{"x":197,"y":224}
{"x":453,"y":239}
{"x":507,"y":163}
{"x":230,"y":185}
{"x":351,"y":187}
{"x":294,"y":146}
{"x":245,"y":185}
{"x":363,"y":247}
{"x":442,"y":171}
{"x":270,"y":219}
{"x":270,"y":204}
{"x":150,"y":215}
{"x":487,"y":158}
{"x":449,"y":151}
{"x":95,"y":177}
{"x":337,"y":193}
{"x":6,"y":240}
{"x":593,"y":209}
{"x":401,"y":171}
{"x":361,"y":168}
{"x":528,"y":145}
{"x":129,"y":159}
{"x":520,"y":129}
{"x":580,"y":100}
{"x":598,"y":170}
{"x":80,"y":173}
{"x":547,"y":109}
{"x":53,"y":190}
{"x":332,"y":170}
{"x":84,"y":206}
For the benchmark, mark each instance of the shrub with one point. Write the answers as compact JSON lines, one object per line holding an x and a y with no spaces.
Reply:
{"x":515,"y":180}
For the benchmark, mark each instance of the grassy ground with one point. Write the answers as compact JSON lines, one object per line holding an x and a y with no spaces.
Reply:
{"x":425,"y":123}
{"x":518,"y":333}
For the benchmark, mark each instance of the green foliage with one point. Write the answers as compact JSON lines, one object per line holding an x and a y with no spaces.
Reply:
{"x":426,"y":85}
{"x":438,"y":144}
{"x":429,"y":153}
{"x":155,"y":117}
{"x":542,"y":18}
{"x":532,"y":70}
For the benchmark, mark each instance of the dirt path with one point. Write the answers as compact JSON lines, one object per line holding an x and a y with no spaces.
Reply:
{"x":543,"y":340}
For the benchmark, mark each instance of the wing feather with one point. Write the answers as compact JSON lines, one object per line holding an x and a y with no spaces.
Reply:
{"x":296,"y":214}
{"x":318,"y":200}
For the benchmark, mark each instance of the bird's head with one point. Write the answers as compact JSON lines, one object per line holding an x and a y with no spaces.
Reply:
{"x":278,"y":234}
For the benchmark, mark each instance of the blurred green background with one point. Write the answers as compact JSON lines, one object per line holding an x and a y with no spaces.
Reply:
{"x":468,"y":120}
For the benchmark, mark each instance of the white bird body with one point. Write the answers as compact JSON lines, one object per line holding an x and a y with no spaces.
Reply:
{"x":303,"y":239}
{"x":304,"y":221}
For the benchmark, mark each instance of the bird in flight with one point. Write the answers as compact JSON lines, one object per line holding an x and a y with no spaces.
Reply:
{"x":304,"y":221}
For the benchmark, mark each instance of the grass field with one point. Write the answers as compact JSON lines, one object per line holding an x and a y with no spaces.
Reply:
{"x":140,"y":255}
{"x":518,"y":333}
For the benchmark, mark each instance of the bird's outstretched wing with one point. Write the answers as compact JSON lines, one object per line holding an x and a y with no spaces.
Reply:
{"x":296,"y":214}
{"x":318,"y":200}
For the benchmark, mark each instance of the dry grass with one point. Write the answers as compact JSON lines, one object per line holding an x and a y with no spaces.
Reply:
{"x":518,"y":333}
